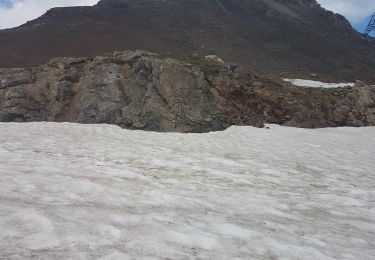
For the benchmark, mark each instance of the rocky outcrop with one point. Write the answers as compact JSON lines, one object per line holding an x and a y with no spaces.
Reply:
{"x":141,"y":90}
{"x":319,"y":107}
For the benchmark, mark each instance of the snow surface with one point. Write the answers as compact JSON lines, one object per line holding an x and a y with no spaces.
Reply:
{"x":70,"y":191}
{"x":317,"y":84}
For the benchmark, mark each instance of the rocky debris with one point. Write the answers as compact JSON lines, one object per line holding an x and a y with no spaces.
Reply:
{"x":318,"y":107}
{"x":142,"y":90}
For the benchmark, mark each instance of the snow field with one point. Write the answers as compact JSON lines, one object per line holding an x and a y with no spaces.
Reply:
{"x":317,"y":84}
{"x":70,"y":191}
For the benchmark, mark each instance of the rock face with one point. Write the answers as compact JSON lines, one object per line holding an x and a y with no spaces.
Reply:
{"x":291,"y":37}
{"x":141,"y":90}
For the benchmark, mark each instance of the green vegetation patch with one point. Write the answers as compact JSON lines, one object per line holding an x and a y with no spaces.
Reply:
{"x":117,"y":61}
{"x":208,"y":67}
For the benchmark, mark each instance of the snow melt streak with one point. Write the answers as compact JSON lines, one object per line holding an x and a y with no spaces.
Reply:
{"x":70,"y":191}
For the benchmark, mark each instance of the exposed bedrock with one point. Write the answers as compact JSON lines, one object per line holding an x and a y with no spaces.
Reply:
{"x":141,"y":90}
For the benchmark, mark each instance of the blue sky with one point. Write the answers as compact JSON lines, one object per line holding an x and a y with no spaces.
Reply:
{"x":361,"y":25}
{"x":6,"y":3}
{"x":17,"y":12}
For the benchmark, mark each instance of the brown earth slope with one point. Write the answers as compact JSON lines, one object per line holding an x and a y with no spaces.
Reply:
{"x":288,"y":37}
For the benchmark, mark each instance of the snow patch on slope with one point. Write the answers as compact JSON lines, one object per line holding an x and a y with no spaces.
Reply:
{"x":70,"y":191}
{"x":317,"y":84}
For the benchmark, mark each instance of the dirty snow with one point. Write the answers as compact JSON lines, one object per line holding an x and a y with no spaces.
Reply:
{"x":70,"y":191}
{"x":317,"y":84}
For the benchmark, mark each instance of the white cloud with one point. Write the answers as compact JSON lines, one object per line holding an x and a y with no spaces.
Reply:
{"x":25,"y":10}
{"x":354,"y":10}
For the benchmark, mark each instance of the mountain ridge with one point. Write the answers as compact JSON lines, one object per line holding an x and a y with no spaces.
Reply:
{"x":294,"y":37}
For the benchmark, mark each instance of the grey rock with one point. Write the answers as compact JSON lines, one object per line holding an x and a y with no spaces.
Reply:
{"x":142,"y":90}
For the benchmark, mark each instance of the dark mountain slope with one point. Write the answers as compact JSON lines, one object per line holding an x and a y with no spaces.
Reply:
{"x":288,"y":36}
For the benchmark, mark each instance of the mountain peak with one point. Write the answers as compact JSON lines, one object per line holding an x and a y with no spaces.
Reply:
{"x":114,"y":3}
{"x":292,"y":37}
